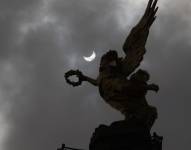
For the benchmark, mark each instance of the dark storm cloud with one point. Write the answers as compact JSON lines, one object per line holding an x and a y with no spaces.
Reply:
{"x":11,"y":15}
{"x":43,"y":39}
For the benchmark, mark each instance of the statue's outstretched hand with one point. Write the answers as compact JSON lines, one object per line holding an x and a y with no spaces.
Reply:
{"x":81,"y":76}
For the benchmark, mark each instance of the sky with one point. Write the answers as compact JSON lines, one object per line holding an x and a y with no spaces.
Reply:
{"x":42,"y":39}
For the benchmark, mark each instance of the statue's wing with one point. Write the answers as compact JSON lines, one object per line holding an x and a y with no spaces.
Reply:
{"x":134,"y":46}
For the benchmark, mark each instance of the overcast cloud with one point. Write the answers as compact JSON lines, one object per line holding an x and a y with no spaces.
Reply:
{"x":42,"y":39}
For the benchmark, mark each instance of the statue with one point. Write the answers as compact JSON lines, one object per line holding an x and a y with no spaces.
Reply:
{"x":118,"y":85}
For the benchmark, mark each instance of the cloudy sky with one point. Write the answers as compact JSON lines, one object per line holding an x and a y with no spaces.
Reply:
{"x":42,"y":39}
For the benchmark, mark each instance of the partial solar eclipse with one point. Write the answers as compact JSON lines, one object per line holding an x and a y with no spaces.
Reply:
{"x":90,"y":58}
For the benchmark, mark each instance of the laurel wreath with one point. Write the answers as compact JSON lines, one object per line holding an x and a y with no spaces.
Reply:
{"x":71,"y":73}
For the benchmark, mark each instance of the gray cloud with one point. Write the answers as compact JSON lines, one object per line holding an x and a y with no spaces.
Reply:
{"x":43,"y":39}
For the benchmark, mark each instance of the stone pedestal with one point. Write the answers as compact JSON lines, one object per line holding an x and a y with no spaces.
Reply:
{"x":124,"y":136}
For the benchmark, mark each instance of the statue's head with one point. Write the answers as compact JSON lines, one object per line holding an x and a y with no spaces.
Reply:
{"x":140,"y":75}
{"x":109,"y":59}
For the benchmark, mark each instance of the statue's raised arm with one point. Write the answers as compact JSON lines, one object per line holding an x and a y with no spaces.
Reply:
{"x":134,"y":46}
{"x":81,"y":78}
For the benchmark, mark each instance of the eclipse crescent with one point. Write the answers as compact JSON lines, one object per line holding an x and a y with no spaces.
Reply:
{"x":91,"y":57}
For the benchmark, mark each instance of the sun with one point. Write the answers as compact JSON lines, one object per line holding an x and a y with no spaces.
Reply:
{"x":91,"y":57}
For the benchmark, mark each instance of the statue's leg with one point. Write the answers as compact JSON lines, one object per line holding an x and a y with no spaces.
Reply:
{"x":129,"y":108}
{"x":142,"y":116}
{"x":121,"y":104}
{"x":151,"y":116}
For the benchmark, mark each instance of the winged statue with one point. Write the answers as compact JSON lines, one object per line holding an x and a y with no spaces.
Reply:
{"x":119,"y":85}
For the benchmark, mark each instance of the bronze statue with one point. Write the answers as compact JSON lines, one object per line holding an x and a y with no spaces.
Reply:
{"x":120,"y":89}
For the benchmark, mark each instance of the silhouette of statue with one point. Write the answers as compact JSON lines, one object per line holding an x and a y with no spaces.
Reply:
{"x":120,"y":89}
{"x":124,"y":88}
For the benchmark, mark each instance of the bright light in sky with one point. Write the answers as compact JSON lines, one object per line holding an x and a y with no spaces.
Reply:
{"x":90,"y":58}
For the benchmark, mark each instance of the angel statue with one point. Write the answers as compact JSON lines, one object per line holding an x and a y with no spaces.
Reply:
{"x":119,"y":85}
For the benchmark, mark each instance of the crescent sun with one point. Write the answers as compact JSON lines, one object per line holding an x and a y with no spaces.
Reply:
{"x":91,"y":57}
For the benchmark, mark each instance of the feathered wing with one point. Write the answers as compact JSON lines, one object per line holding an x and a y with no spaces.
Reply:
{"x":134,"y":46}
